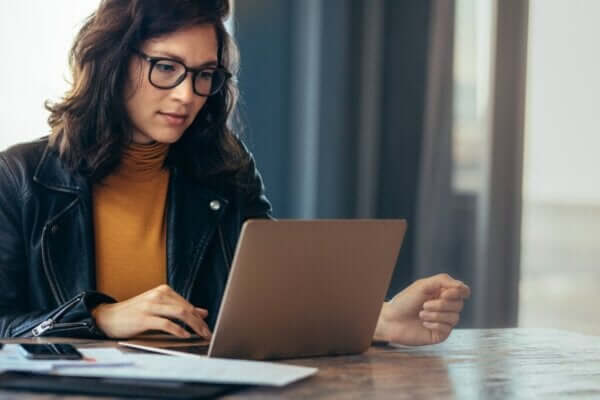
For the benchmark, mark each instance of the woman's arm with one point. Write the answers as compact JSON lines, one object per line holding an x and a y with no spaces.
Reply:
{"x":254,"y":203}
{"x":17,"y":317}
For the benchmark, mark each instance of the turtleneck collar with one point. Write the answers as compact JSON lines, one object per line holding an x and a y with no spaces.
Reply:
{"x":143,"y":161}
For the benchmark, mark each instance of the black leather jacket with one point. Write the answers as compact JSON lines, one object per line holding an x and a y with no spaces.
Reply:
{"x":47,"y":271}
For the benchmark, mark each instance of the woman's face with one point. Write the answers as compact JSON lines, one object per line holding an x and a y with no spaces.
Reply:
{"x":162,"y":115}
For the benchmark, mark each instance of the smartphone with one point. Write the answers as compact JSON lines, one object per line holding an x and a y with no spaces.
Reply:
{"x":50,"y":351}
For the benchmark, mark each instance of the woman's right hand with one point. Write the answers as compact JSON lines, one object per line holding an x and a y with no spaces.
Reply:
{"x":151,"y":310}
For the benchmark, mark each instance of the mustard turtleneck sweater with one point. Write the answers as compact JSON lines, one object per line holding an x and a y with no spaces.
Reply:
{"x":129,"y":223}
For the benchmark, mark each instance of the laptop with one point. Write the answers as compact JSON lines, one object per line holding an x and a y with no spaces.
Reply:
{"x":302,"y":288}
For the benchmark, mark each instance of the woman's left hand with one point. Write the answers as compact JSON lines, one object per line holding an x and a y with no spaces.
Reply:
{"x":423,"y":313}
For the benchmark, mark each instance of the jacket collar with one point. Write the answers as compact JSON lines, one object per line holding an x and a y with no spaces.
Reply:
{"x":52,"y":174}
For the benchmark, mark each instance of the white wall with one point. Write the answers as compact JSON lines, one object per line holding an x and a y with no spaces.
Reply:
{"x":36,"y":37}
{"x":562,"y":159}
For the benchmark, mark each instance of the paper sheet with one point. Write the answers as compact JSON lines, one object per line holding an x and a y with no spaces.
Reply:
{"x":215,"y":370}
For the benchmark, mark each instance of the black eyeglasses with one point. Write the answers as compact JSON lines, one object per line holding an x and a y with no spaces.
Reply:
{"x":166,"y":73}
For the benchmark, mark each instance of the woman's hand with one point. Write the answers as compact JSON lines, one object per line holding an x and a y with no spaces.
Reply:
{"x":151,"y":310}
{"x":423,"y":313}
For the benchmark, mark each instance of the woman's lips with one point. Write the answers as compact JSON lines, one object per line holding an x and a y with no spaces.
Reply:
{"x":173,"y":119}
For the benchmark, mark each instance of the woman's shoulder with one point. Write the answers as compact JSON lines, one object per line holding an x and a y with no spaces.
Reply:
{"x":25,"y":154}
{"x":21,"y":160}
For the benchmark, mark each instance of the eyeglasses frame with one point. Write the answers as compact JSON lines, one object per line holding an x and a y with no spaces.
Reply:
{"x":193,"y":71}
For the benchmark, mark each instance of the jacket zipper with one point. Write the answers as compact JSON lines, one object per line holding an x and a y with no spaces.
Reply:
{"x":50,"y":323}
{"x":51,"y":281}
{"x":45,"y":259}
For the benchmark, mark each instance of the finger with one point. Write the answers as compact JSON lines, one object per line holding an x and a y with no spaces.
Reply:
{"x":457,"y":293}
{"x":449,"y":318}
{"x":186,"y":314}
{"x":438,"y":326}
{"x":443,"y":305}
{"x":439,"y":331}
{"x":202,"y":312}
{"x":167,"y":302}
{"x":434,"y":284}
{"x":448,"y":282}
{"x":163,"y":324}
{"x":189,"y":316}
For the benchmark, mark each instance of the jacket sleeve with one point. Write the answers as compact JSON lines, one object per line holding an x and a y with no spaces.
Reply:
{"x":17,"y":317}
{"x":255,"y":204}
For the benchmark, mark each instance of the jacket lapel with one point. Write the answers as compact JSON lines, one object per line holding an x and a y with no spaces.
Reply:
{"x":67,"y":238}
{"x":193,"y":215}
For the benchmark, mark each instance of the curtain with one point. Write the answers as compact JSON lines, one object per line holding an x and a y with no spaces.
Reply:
{"x":469,"y":222}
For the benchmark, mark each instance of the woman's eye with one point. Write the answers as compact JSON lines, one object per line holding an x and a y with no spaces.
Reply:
{"x":206,"y":75}
{"x":165,"y":67}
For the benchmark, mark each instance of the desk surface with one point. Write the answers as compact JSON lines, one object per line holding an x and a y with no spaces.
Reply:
{"x":471,"y":364}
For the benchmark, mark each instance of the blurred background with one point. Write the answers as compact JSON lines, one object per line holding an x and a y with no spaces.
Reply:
{"x":474,"y":119}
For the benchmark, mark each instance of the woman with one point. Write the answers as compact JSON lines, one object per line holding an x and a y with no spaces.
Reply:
{"x":124,"y":219}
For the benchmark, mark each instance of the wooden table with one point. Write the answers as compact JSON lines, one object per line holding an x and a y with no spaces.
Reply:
{"x":471,"y":364}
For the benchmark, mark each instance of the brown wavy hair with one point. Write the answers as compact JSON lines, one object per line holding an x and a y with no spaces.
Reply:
{"x":90,"y":125}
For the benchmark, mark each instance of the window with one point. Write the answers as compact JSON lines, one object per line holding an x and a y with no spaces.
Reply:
{"x":473,"y":41}
{"x":560,"y":267}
